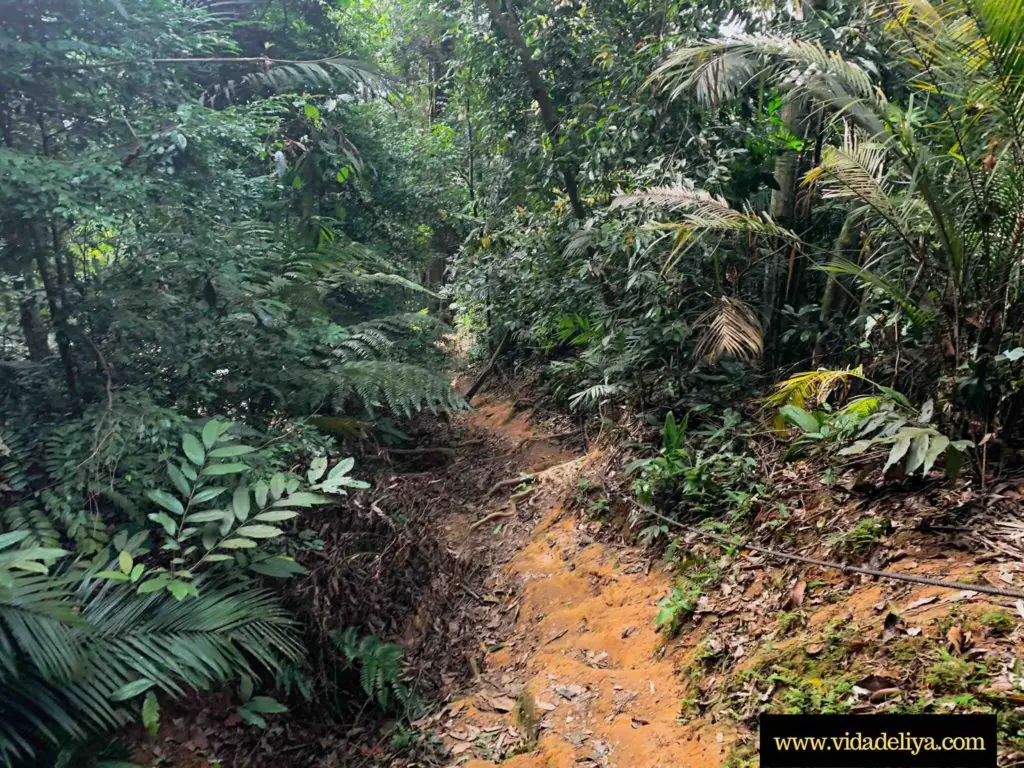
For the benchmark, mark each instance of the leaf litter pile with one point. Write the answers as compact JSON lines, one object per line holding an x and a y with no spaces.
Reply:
{"x":500,"y":558}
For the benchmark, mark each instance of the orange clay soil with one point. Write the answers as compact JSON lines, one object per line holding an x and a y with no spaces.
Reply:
{"x":583,"y":669}
{"x":575,"y":675}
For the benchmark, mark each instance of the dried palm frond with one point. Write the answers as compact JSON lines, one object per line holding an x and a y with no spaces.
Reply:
{"x":704,"y":211}
{"x":729,"y":328}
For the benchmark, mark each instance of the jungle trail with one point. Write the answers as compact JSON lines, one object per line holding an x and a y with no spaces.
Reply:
{"x":520,"y":384}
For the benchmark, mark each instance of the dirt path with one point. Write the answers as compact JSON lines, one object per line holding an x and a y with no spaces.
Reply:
{"x":577,"y":677}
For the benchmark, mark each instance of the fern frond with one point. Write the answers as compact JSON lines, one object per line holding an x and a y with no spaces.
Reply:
{"x":399,"y":387}
{"x":731,"y":328}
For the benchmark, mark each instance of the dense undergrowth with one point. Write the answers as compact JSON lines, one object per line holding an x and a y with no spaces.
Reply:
{"x":233,"y":234}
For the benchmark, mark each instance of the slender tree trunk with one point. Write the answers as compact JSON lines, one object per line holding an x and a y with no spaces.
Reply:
{"x":58,"y":319}
{"x":539,"y":89}
{"x":32,"y":328}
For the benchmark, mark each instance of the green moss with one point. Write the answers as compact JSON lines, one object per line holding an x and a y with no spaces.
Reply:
{"x":789,"y":620}
{"x":953,"y":675}
{"x":998,"y":622}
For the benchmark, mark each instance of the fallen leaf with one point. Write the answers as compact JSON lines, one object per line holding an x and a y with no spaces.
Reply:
{"x":569,"y":692}
{"x":914,"y":631}
{"x":873,"y":683}
{"x":796,"y":595}
{"x":814,"y":650}
{"x":882,"y":694}
{"x":547,"y":706}
{"x":919,"y":603}
{"x":955,"y":638}
{"x":889,"y":626}
{"x":461,"y":747}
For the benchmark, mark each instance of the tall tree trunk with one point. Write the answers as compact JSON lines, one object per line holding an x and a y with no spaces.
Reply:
{"x":32,"y":328}
{"x":539,"y":89}
{"x":59,"y":320}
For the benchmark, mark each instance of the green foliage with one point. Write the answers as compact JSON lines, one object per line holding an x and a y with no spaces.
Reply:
{"x":707,"y":480}
{"x":380,"y":670}
{"x":859,"y":539}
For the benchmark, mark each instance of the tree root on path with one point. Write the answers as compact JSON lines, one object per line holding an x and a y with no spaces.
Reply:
{"x":493,"y":516}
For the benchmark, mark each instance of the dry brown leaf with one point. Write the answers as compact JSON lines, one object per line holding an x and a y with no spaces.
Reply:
{"x":882,"y":694}
{"x":955,"y":638}
{"x":923,"y":601}
{"x":796,"y":595}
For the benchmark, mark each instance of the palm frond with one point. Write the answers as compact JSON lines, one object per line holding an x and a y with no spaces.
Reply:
{"x":322,"y":76}
{"x":718,"y":69}
{"x":704,"y":212}
{"x":81,"y":649}
{"x":810,"y":385}
{"x":730,"y":328}
{"x":840,"y":266}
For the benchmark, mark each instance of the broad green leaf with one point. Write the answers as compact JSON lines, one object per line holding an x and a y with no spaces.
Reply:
{"x":112,"y":576}
{"x":137,"y":572}
{"x":165,"y":520}
{"x":245,"y":688}
{"x":125,"y":562}
{"x":193,"y":449}
{"x":898,"y":451}
{"x":218,"y":558}
{"x":343,"y":467}
{"x":316,"y":469}
{"x":276,"y":516}
{"x":278,"y":567}
{"x":266,"y":705}
{"x":277,"y":485}
{"x":181,"y":590}
{"x":131,"y":690}
{"x":151,"y":713}
{"x":206,"y":494}
{"x":250,"y":717}
{"x":153,"y":585}
{"x":261,"y":490}
{"x":212,"y":431}
{"x":225,"y":469}
{"x":801,"y":418}
{"x":165,"y":500}
{"x":936,"y":446}
{"x":240,"y":502}
{"x":302,"y":499}
{"x":183,"y":486}
{"x":207,"y":516}
{"x":230,"y":451}
{"x":917,"y":453}
{"x":238,"y":544}
{"x":7,"y":539}
{"x":259,"y":531}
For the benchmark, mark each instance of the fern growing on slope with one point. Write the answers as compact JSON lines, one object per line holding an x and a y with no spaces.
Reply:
{"x":380,"y":669}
